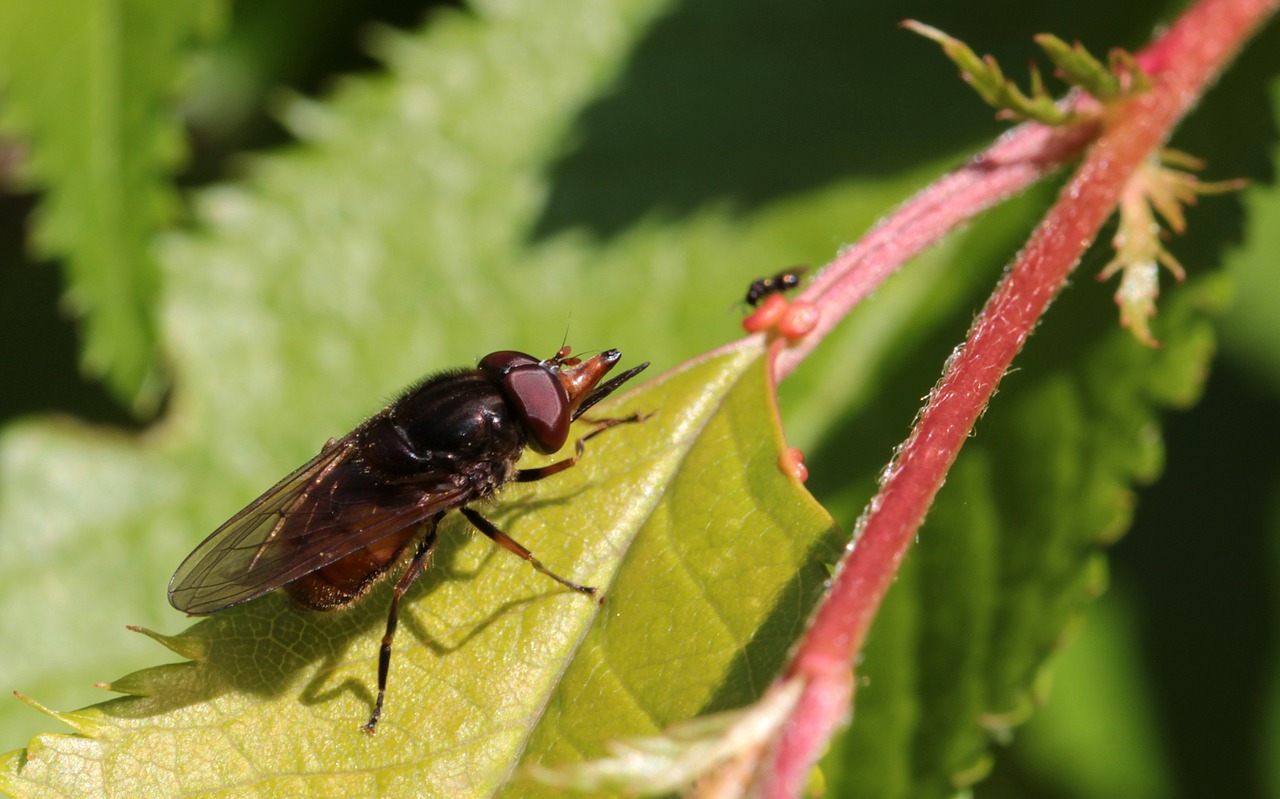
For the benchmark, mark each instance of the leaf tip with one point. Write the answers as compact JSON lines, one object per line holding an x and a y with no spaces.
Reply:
{"x":83,"y":723}
{"x":188,"y":646}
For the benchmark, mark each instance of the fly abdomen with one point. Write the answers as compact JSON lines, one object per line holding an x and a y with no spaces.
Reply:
{"x":347,"y":579}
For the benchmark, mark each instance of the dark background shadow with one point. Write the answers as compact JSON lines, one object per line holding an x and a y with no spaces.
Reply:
{"x":738,"y":109}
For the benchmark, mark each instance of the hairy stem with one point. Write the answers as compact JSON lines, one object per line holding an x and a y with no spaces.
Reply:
{"x":1181,"y":63}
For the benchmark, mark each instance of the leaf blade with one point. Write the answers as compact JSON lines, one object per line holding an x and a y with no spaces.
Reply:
{"x":88,"y":88}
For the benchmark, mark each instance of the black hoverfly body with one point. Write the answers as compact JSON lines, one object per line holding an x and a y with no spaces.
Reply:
{"x":785,"y":280}
{"x":372,"y":499}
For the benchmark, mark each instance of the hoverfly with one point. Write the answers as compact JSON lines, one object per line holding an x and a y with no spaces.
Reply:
{"x":785,"y":280}
{"x":372,"y":499}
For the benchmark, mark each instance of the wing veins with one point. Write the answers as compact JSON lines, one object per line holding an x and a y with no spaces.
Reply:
{"x":218,"y":574}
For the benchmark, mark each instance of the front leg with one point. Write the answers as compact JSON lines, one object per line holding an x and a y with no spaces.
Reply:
{"x":601,"y":425}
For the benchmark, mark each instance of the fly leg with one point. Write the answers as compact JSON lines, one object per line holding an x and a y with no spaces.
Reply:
{"x":601,"y":425}
{"x":402,"y":585}
{"x":511,"y":545}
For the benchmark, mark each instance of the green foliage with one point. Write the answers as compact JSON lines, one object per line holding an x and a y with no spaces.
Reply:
{"x":89,"y":90}
{"x":474,"y":198}
{"x":490,"y":649}
{"x":1075,"y":65}
{"x":686,"y":571}
{"x":1012,"y":550}
{"x":1079,"y":67}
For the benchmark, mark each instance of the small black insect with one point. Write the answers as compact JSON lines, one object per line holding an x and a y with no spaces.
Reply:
{"x":785,"y":280}
{"x":373,"y":498}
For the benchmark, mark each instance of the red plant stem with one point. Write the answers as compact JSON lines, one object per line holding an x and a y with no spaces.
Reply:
{"x":1181,"y":63}
{"x":1018,"y":159}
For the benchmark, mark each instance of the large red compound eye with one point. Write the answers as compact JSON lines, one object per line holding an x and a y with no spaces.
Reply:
{"x":536,"y":394}
{"x":499,"y":363}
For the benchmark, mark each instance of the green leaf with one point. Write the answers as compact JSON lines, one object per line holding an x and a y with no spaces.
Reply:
{"x":679,"y":611}
{"x":489,"y":646}
{"x":89,"y":90}
{"x":1075,"y":65}
{"x":1011,"y":552}
{"x":519,"y":172}
{"x":988,"y":80}
{"x":289,"y":326}
{"x":1079,"y":67}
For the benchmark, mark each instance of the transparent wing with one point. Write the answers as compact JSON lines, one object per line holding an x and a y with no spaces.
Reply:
{"x":327,"y":509}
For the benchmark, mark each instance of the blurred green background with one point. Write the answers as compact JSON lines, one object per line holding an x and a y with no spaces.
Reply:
{"x":1172,"y":687}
